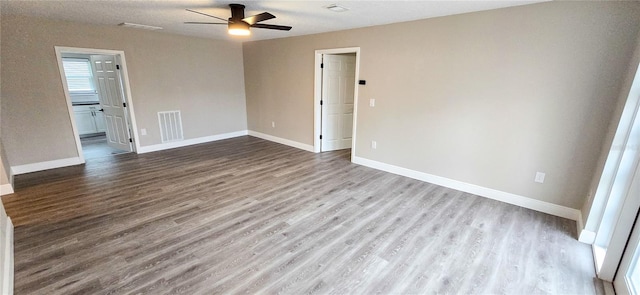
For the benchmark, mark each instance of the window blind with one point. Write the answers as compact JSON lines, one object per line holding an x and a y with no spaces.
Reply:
{"x":79,"y":75}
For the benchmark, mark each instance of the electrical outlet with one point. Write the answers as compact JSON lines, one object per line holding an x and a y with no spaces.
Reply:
{"x":273,"y":124}
{"x":372,"y":102}
{"x":374,"y":144}
{"x":539,"y":177}
{"x":143,"y":131}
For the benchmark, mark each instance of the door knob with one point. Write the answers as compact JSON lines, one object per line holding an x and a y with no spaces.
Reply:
{"x":102,"y":110}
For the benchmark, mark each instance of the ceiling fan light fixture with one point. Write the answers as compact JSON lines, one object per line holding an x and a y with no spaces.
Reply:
{"x":239,"y":29}
{"x":336,"y":8}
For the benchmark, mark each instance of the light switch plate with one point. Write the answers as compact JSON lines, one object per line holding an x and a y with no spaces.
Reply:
{"x":143,"y":131}
{"x":372,"y":102}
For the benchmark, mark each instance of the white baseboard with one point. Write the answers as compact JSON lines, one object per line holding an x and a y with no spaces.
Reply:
{"x":28,"y":168}
{"x":579,"y":224}
{"x":187,"y":142}
{"x":549,"y":208}
{"x":586,"y":236}
{"x":288,"y":142}
{"x":6,"y":189}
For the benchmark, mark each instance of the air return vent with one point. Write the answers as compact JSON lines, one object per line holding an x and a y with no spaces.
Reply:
{"x":170,"y":126}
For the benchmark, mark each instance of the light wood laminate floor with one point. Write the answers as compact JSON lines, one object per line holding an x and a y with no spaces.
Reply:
{"x":249,"y":216}
{"x":97,"y":147}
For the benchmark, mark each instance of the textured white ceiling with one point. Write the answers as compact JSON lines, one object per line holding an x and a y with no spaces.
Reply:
{"x":306,"y":17}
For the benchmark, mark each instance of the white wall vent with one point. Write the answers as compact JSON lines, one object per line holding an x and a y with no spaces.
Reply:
{"x":170,"y":126}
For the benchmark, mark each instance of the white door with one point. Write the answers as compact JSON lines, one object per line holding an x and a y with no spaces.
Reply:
{"x":111,"y":101}
{"x":338,"y":82}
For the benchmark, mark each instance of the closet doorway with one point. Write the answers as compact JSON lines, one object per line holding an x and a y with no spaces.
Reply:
{"x":336,"y":97}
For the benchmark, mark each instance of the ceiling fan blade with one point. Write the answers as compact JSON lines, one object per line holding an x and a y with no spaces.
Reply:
{"x":272,"y":27}
{"x":258,"y":18}
{"x":209,"y":15}
{"x":201,"y":23}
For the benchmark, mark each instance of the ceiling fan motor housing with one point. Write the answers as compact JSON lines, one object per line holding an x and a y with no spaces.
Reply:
{"x":237,"y":12}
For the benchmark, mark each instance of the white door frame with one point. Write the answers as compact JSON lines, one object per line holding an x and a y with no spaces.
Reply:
{"x":125,"y":84}
{"x":620,"y":282}
{"x":317,"y":90}
{"x":613,"y":209}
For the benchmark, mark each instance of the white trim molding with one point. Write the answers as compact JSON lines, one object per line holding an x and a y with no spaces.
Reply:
{"x":280,"y":140}
{"x":188,"y":142}
{"x":586,"y":236}
{"x":6,"y":252}
{"x":126,"y":88}
{"x":7,"y":268}
{"x":6,"y":189}
{"x":537,"y":205}
{"x":40,"y":166}
{"x":608,"y":288}
{"x":317,"y":95}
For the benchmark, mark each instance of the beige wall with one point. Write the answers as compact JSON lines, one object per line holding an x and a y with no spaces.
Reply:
{"x":203,"y":78}
{"x":486,"y":98}
{"x":5,"y":172}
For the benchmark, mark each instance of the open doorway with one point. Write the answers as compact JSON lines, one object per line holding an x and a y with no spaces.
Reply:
{"x":336,"y":98}
{"x":97,"y":95}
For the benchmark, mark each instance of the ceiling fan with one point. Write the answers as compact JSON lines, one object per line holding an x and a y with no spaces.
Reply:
{"x":238,"y":24}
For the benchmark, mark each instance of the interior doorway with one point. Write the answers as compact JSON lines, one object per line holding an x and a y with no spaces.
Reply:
{"x":96,"y":88}
{"x":336,"y":96}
